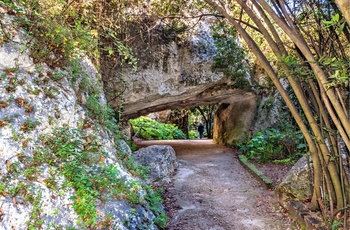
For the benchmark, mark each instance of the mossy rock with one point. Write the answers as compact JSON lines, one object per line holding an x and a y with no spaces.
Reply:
{"x":261,"y":177}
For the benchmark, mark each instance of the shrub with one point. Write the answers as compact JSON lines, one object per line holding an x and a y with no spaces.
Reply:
{"x":149,"y":129}
{"x":274,"y":145}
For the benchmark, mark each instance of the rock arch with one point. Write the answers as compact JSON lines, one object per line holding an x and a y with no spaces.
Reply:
{"x":177,"y":77}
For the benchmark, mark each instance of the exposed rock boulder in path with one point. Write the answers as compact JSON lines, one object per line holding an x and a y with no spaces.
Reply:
{"x":162,"y":162}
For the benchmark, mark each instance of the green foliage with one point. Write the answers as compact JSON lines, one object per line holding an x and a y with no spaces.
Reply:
{"x":59,"y":29}
{"x":230,"y":56}
{"x":35,"y":222}
{"x":338,"y":69}
{"x":153,"y":130}
{"x":62,"y":29}
{"x":193,"y":134}
{"x":82,"y":165}
{"x":29,"y":124}
{"x":132,"y":146}
{"x":79,"y":77}
{"x":135,"y":168}
{"x":297,"y":69}
{"x":104,"y":114}
{"x":154,"y":198}
{"x":268,"y":104}
{"x":274,"y":145}
{"x":51,"y":92}
{"x":2,"y":187}
{"x":336,"y":224}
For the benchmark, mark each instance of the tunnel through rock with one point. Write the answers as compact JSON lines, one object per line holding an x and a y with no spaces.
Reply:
{"x":232,"y":119}
{"x":173,"y":76}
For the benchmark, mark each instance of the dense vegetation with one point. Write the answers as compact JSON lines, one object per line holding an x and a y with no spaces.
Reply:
{"x":310,"y":42}
{"x":59,"y":34}
{"x":150,"y":129}
{"x":303,"y":43}
{"x":274,"y":145}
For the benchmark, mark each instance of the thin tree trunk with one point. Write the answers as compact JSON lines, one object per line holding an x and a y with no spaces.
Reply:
{"x":344,"y":6}
{"x":293,"y":33}
{"x":267,"y":67}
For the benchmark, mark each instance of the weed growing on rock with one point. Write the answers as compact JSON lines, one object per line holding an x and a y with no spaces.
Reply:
{"x":29,"y":125}
{"x":3,"y":76}
{"x":11,"y":98}
{"x":78,"y":158}
{"x":58,"y":75}
{"x":34,"y":91}
{"x":35,"y":222}
{"x":51,"y":92}
{"x":154,"y":198}
{"x":2,"y":188}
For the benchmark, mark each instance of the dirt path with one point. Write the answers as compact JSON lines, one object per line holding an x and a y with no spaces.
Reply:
{"x":211,"y":190}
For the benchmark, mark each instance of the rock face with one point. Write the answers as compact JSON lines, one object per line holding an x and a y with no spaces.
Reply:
{"x":43,"y":118}
{"x":175,"y":76}
{"x":297,"y":185}
{"x":233,"y":118}
{"x":162,"y":162}
{"x":172,"y":76}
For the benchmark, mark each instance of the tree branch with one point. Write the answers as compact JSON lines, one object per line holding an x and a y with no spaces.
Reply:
{"x":208,"y":15}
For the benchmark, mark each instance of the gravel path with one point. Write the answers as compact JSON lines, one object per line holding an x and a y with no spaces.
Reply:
{"x":211,"y":190}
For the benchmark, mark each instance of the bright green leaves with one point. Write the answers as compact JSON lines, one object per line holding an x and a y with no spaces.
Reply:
{"x":274,"y":144}
{"x":296,"y":69}
{"x":230,"y":55}
{"x":336,"y":22}
{"x":154,"y":200}
{"x":59,"y":28}
{"x":338,"y":69}
{"x":149,"y":129}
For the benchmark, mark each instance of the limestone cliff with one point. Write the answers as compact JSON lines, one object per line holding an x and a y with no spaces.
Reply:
{"x":171,"y":74}
{"x":60,"y":166}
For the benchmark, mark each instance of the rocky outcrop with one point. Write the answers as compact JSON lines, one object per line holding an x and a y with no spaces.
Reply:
{"x":233,"y":118}
{"x":161,"y":160}
{"x":297,"y":184}
{"x":59,"y":166}
{"x":171,"y":76}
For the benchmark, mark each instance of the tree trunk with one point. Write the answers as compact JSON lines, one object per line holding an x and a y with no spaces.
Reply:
{"x":279,"y":50}
{"x":344,"y":6}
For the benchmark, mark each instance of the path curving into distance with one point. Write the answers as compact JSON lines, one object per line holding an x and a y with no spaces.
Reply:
{"x":212,"y":191}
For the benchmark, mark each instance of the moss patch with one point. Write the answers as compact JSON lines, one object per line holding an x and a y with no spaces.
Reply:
{"x":266,"y":182}
{"x":235,"y":134}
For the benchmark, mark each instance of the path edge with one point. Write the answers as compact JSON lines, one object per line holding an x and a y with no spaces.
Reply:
{"x":296,"y":209}
{"x":261,"y":177}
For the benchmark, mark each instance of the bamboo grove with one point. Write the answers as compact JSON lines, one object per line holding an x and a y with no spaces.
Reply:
{"x":313,"y":37}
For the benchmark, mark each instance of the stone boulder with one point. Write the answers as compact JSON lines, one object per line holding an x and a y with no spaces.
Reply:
{"x":233,"y":118}
{"x":297,"y":185}
{"x":162,"y":162}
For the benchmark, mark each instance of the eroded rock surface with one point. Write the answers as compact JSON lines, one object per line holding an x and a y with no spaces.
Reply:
{"x":36,"y":103}
{"x":297,"y":185}
{"x":162,"y":162}
{"x":171,"y":76}
{"x":233,"y":118}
